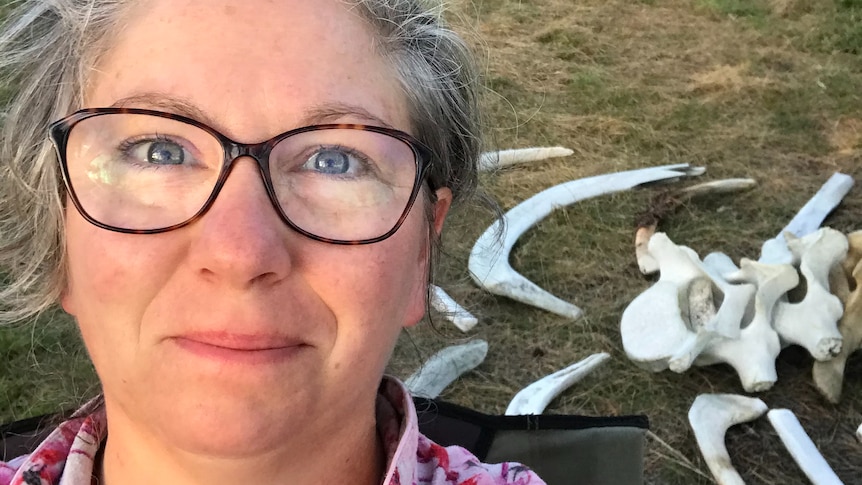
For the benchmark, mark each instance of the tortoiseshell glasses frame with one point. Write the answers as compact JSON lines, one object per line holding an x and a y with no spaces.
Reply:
{"x":61,"y":132}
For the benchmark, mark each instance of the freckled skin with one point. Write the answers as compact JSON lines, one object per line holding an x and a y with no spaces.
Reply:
{"x":239,"y":269}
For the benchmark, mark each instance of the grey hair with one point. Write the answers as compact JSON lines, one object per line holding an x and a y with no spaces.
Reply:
{"x":47,"y":48}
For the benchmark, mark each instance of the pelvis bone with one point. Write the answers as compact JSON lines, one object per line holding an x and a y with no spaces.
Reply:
{"x":489,"y":259}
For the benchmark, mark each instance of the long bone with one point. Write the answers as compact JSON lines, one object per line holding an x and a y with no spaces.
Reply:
{"x":489,"y":259}
{"x":505,"y":158}
{"x":534,"y":398}
{"x":801,"y":448}
{"x":710,"y":417}
{"x":813,"y":322}
{"x":829,"y":375}
{"x":445,"y":366}
{"x":753,"y":353}
{"x":808,"y":219}
{"x":451,"y":310}
{"x":671,"y":322}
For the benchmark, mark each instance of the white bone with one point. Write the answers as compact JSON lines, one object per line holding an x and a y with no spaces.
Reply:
{"x":859,"y":433}
{"x":813,"y":322}
{"x":489,"y":259}
{"x":451,"y":310}
{"x":505,"y":158}
{"x":829,"y":375}
{"x":808,"y":219}
{"x":445,"y":366}
{"x":710,"y":417}
{"x":753,"y":353}
{"x":534,"y":398}
{"x":646,"y":263}
{"x":670,"y":323}
{"x":801,"y":448}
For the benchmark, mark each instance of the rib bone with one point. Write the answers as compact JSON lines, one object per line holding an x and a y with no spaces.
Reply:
{"x":802,"y":448}
{"x":505,"y":158}
{"x":808,"y":219}
{"x":455,"y":313}
{"x":534,"y":398}
{"x":489,"y":259}
{"x":445,"y":366}
{"x":710,"y":416}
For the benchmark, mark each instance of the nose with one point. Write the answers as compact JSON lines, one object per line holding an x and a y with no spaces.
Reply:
{"x":241,"y":241}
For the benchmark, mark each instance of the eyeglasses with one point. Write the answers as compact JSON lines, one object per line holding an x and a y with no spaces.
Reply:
{"x":141,"y":171}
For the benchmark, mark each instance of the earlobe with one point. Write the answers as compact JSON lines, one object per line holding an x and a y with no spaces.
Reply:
{"x":67,"y":302}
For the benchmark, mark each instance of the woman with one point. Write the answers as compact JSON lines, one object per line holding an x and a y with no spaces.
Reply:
{"x":240,"y":221}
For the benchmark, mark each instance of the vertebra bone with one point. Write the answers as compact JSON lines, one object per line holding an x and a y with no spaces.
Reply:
{"x":813,"y":322}
{"x":801,"y":447}
{"x":534,"y":398}
{"x":445,"y":366}
{"x":829,"y":375}
{"x":710,"y":416}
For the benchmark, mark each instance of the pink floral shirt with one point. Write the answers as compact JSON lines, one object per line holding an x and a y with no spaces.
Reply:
{"x":66,"y":456}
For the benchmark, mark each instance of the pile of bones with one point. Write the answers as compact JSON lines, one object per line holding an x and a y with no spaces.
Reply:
{"x":805,"y":289}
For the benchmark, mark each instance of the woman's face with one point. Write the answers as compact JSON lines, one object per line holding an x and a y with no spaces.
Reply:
{"x":234,"y":331}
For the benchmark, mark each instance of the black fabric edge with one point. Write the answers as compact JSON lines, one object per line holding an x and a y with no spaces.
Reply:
{"x":427,"y":408}
{"x":29,"y":425}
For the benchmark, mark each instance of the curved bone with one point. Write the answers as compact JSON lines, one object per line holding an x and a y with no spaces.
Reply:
{"x":534,"y":398}
{"x":802,"y":448}
{"x":489,"y":259}
{"x":829,"y":375}
{"x":451,"y":310}
{"x":505,"y":158}
{"x":753,"y":354}
{"x":670,"y":323}
{"x":859,"y":433}
{"x":808,"y":219}
{"x":813,"y":322}
{"x":445,"y":366}
{"x":710,"y":416}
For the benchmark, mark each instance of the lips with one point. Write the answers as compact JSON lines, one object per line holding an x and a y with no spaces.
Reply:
{"x":240,"y":348}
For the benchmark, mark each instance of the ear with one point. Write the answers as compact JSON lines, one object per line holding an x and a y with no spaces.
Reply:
{"x":441,"y":208}
{"x":420,"y":296}
{"x":67,"y":302}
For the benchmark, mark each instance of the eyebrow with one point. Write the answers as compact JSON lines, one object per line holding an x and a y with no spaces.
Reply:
{"x":330,"y":112}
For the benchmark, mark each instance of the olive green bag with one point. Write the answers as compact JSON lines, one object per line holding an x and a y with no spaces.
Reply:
{"x":561,"y":449}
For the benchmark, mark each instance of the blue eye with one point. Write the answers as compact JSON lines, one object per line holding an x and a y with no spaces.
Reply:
{"x":331,"y":162}
{"x":165,"y":153}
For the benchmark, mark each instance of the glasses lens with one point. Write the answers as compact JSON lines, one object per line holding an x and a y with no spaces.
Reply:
{"x":141,"y":172}
{"x":345,"y":184}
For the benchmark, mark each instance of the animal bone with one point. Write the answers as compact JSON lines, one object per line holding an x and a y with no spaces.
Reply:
{"x":664,"y":204}
{"x":445,"y":366}
{"x":534,"y":398}
{"x":753,"y":353}
{"x":813,"y":322}
{"x":808,"y":219}
{"x":829,"y":375}
{"x":505,"y":158}
{"x":710,"y":416}
{"x":670,"y":323}
{"x":489,"y":259}
{"x":455,"y":313}
{"x":801,"y":448}
{"x":859,"y":433}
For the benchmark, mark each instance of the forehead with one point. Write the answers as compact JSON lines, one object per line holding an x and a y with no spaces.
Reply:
{"x":253,"y":66}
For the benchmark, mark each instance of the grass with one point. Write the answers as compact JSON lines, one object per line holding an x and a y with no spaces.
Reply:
{"x":767,"y":89}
